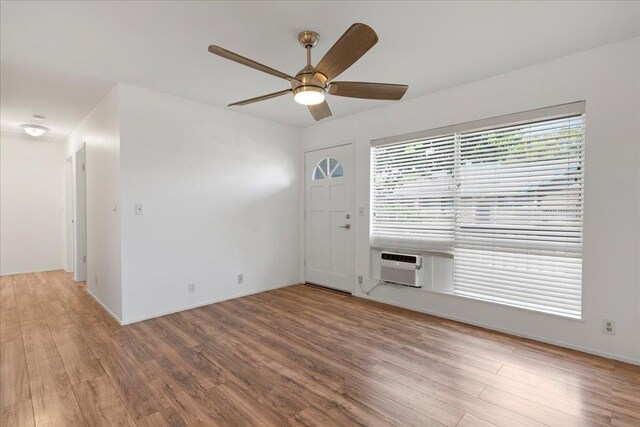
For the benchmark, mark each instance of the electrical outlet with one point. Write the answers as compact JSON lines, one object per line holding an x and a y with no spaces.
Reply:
{"x":360,"y":279}
{"x":240,"y":279}
{"x":192,"y":288}
{"x":609,"y":326}
{"x":139,"y":209}
{"x":95,"y":280}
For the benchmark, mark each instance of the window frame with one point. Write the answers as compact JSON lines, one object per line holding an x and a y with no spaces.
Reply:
{"x":330,"y":172}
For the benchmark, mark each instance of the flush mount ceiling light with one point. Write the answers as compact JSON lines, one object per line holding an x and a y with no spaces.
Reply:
{"x":311,"y":85}
{"x":34,"y":130}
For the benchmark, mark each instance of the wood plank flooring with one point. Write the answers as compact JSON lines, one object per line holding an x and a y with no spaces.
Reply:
{"x":300,"y":355}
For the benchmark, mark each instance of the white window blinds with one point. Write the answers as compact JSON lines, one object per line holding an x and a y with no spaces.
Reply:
{"x":506,"y":200}
{"x":412,"y":194}
{"x":519,"y":199}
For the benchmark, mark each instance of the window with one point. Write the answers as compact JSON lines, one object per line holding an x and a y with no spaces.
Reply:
{"x":412,"y":194}
{"x":327,"y":168}
{"x":507,"y":201}
{"x":518,"y":235}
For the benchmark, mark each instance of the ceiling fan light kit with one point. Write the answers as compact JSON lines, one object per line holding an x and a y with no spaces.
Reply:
{"x":311,"y":84}
{"x":308,"y":95}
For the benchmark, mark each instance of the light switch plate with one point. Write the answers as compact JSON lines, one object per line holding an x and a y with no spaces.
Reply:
{"x":139,"y":209}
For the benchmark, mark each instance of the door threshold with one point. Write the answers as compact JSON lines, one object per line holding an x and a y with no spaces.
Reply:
{"x":328,"y":288}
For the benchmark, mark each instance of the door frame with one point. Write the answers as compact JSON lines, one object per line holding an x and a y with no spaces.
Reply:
{"x":352,"y":250}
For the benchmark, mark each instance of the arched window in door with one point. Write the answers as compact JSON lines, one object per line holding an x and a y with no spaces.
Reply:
{"x":328,"y":168}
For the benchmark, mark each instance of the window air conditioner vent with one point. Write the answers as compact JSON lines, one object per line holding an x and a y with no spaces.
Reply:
{"x":400,"y":269}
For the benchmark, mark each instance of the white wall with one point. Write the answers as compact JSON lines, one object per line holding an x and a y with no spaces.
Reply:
{"x":100,"y":133}
{"x":32,"y":204}
{"x":221,"y":197}
{"x":608,"y":78}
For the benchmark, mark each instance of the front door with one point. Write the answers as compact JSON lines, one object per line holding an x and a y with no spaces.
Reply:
{"x":329,"y":233}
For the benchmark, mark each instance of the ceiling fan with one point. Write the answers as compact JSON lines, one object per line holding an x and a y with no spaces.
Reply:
{"x":311,"y":84}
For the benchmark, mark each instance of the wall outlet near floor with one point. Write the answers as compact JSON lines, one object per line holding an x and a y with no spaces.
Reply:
{"x":240,"y":279}
{"x":95,"y":280}
{"x":609,"y":326}
{"x":192,"y":288}
{"x":360,"y":279}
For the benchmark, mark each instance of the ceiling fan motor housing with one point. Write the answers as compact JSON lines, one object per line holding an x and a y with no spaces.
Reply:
{"x":307,"y":78}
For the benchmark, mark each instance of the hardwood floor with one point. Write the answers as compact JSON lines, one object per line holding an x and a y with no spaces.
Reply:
{"x":299,"y":355}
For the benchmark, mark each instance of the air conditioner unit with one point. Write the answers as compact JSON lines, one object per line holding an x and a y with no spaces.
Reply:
{"x":400,"y":269}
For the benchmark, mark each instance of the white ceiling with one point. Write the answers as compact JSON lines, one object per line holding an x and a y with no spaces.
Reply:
{"x":60,"y":58}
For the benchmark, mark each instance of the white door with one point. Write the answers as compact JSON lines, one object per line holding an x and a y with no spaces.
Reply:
{"x":80,"y":273}
{"x":329,"y":233}
{"x":69,"y":267}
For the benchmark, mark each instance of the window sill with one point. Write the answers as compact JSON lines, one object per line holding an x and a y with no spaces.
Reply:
{"x":434,"y":252}
{"x":515,"y":307}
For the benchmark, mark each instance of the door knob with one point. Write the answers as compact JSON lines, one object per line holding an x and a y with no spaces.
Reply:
{"x":347,"y":226}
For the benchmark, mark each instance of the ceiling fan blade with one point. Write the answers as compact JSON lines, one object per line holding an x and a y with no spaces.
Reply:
{"x":217,"y":50}
{"x":354,"y":43}
{"x":368,"y":90}
{"x":320,"y":111}
{"x":261,"y":98}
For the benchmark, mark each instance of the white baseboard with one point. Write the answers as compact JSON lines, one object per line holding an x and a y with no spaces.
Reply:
{"x":510,"y":331}
{"x":430,"y":312}
{"x":201,"y":304}
{"x":111,"y":313}
{"x":44,"y":270}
